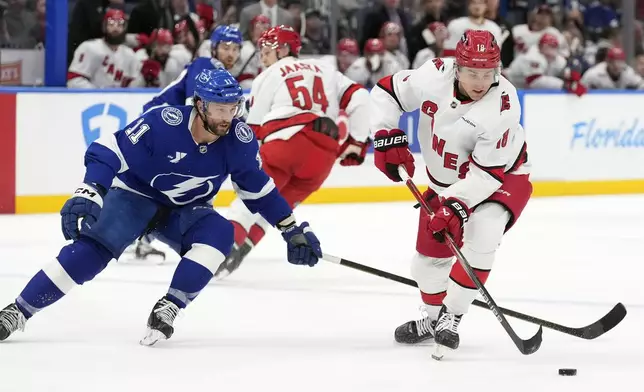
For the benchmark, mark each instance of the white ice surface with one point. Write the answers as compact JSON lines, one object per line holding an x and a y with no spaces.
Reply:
{"x":276,"y":327}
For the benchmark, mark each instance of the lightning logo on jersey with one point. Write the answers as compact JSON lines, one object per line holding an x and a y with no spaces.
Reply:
{"x":183,"y":189}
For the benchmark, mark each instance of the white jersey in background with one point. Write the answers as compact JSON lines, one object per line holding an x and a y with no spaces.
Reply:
{"x":294,"y":92}
{"x":248,"y":65}
{"x":96,"y":65}
{"x":457,"y":27}
{"x":597,"y":77}
{"x":468,"y":144}
{"x":532,"y":70}
{"x":360,"y":73}
{"x":423,"y":56}
{"x":524,"y":38}
{"x":165,"y":77}
{"x":205,"y":49}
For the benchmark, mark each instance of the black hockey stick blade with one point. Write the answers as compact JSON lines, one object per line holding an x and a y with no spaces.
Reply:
{"x":603,"y":325}
{"x":531,"y":345}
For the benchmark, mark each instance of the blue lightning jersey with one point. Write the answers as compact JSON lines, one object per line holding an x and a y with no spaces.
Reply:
{"x":155,"y":156}
{"x":181,"y":90}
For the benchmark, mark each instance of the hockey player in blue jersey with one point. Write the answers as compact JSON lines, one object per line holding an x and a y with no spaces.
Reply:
{"x":226,"y":43}
{"x":160,"y":174}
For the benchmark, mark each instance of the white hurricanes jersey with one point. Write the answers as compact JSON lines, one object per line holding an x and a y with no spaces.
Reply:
{"x":401,"y":58}
{"x":96,"y":65}
{"x":532,"y":70}
{"x":457,"y":27}
{"x":468,"y":147}
{"x":294,"y":92}
{"x":248,"y":66}
{"x":524,"y":38}
{"x":597,"y":77}
{"x":178,"y":59}
{"x":359,"y":73}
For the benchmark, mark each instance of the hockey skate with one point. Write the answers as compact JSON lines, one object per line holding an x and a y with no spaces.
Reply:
{"x":160,"y":322}
{"x":446,"y":333}
{"x":416,"y":331}
{"x":11,"y":320}
{"x":234,"y":260}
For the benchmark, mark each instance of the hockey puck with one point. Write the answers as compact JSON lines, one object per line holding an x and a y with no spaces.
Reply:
{"x":567,"y":372}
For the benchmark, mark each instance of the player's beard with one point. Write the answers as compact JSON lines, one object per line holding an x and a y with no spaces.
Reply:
{"x":162,"y":59}
{"x":215,"y":127}
{"x":115,"y":39}
{"x":229,"y":62}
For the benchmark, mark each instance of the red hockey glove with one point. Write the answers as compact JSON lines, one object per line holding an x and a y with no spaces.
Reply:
{"x":392,"y":150}
{"x":150,"y":71}
{"x":450,"y":217}
{"x":353,"y":152}
{"x":572,"y":83}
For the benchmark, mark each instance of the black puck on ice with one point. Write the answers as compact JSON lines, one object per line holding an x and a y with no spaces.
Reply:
{"x":567,"y":372}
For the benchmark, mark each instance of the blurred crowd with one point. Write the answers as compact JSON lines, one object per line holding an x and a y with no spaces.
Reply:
{"x":570,"y":44}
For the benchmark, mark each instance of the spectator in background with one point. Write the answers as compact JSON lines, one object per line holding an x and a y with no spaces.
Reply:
{"x":248,"y":65}
{"x":475,"y":20}
{"x":86,"y":22}
{"x":18,"y":23}
{"x":315,"y":40}
{"x":540,"y":22}
{"x":294,"y":7}
{"x":149,"y":15}
{"x":418,"y":37}
{"x":269,"y":8}
{"x":391,"y":36}
{"x":388,"y":11}
{"x":600,"y":17}
{"x":156,"y":70}
{"x":37,"y":32}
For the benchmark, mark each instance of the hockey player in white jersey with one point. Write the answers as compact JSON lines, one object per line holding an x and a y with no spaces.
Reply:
{"x":543,"y":67}
{"x":613,"y":73}
{"x":374,"y":65}
{"x":475,"y":152}
{"x":105,"y":62}
{"x":154,"y":59}
{"x":294,"y":106}
{"x":475,"y":20}
{"x":529,"y":34}
{"x":248,"y":65}
{"x":391,"y":36}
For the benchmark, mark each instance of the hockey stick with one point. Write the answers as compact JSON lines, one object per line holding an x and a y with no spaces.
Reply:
{"x":591,"y":331}
{"x":526,"y":347}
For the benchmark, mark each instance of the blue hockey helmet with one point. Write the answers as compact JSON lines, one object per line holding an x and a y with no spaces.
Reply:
{"x":225,"y":33}
{"x":218,"y":86}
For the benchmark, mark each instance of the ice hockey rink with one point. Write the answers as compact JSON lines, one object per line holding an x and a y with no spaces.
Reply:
{"x":276,"y":327}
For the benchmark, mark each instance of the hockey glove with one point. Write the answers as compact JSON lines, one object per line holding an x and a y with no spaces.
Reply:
{"x":84,"y":206}
{"x":392,"y":150}
{"x":353,"y":152}
{"x":450,"y":218}
{"x":150,"y":70}
{"x":303,"y":246}
{"x":572,"y":82}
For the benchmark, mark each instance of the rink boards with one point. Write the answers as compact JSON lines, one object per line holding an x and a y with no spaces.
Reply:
{"x":577,"y":146}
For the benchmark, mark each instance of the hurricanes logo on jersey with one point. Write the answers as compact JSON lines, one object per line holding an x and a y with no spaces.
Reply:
{"x":183,"y":189}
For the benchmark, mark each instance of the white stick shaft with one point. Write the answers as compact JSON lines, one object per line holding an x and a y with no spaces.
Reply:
{"x":403,"y":173}
{"x":331,"y":258}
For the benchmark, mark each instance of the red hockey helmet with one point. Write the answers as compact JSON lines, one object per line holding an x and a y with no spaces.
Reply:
{"x":615,"y":54}
{"x":259,"y":19}
{"x":374,"y":45}
{"x":478,"y":49}
{"x":207,"y":14}
{"x":348,"y":45}
{"x":161,"y":37}
{"x":280,"y":36}
{"x":548,"y":39}
{"x":114,"y":15}
{"x":390,"y":28}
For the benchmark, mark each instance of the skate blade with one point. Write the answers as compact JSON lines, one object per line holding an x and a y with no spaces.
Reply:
{"x":221,"y":273}
{"x":152,"y":336}
{"x":440,"y":351}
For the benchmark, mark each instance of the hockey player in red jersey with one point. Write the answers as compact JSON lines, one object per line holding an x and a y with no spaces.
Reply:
{"x":294,"y":105}
{"x":475,"y":152}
